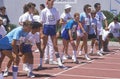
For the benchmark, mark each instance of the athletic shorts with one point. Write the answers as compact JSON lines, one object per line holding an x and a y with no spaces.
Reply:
{"x":65,"y":35}
{"x":91,"y":36}
{"x":4,"y":44}
{"x":49,"y":30}
{"x":26,"y":48}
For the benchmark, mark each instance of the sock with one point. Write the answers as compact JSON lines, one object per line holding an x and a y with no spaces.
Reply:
{"x":58,"y":59}
{"x":15,"y":71}
{"x":74,"y":55}
{"x":6,"y":69}
{"x":25,"y":66}
{"x":41,"y":59}
{"x":1,"y":76}
{"x":30,"y":67}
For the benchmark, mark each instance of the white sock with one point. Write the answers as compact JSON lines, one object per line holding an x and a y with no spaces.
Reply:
{"x":15,"y":71}
{"x":6,"y":69}
{"x":1,"y":76}
{"x":59,"y":62}
{"x":30,"y":67}
{"x":25,"y":66}
{"x":41,"y":59}
{"x":74,"y":54}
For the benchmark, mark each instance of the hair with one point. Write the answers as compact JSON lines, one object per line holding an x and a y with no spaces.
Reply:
{"x":86,"y":6}
{"x":75,"y":14}
{"x":30,"y":4}
{"x":36,"y":25}
{"x":93,"y":12}
{"x":25,"y":8}
{"x":35,"y":12}
{"x":115,"y":18}
{"x":27,"y":23}
{"x":3,"y":7}
{"x":96,"y":4}
{"x":42,"y":5}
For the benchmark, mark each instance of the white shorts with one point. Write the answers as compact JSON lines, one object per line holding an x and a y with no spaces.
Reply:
{"x":79,"y":33}
{"x":104,"y":34}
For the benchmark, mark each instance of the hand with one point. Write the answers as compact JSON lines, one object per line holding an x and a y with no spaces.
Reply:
{"x":106,"y":28}
{"x":42,"y":36}
{"x":20,"y":54}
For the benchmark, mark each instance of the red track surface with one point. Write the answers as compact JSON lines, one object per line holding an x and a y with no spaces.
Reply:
{"x":106,"y":67}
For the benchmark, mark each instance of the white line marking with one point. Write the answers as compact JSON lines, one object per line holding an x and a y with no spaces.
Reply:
{"x":88,"y":76}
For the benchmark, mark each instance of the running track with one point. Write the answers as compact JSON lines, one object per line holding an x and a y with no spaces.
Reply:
{"x":106,"y":67}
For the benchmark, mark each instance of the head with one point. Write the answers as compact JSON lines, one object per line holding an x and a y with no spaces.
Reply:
{"x":76,"y":17}
{"x":3,"y":9}
{"x":31,"y":7}
{"x":97,"y":6}
{"x":67,"y":8}
{"x":1,"y":21}
{"x":93,"y":13}
{"x":27,"y":26}
{"x":115,"y":19}
{"x":87,"y":8}
{"x":42,"y":6}
{"x":49,"y":3}
{"x":36,"y":27}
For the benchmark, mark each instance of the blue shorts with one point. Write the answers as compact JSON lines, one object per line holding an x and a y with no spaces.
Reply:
{"x":4,"y":44}
{"x":49,"y":30}
{"x":26,"y":48}
{"x":65,"y":35}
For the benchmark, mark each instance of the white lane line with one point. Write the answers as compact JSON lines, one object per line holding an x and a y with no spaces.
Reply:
{"x":68,"y":69}
{"x":104,"y":69}
{"x":88,"y":76}
{"x":108,"y":63}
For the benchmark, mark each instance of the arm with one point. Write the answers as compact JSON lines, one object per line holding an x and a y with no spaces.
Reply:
{"x":15,"y":47}
{"x":106,"y":24}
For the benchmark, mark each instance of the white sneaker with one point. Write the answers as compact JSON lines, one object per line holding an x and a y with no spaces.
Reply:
{"x":64,"y":57}
{"x":101,"y":50}
{"x":53,"y":62}
{"x":25,"y":67}
{"x":36,"y":51}
{"x":68,"y":57}
{"x":74,"y":59}
{"x":5,"y":74}
{"x":87,"y":58}
{"x":46,"y":61}
{"x":80,"y":53}
{"x":31,"y":75}
{"x":99,"y":53}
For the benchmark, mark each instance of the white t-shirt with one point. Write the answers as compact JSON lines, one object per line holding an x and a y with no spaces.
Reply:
{"x":3,"y":32}
{"x":31,"y":38}
{"x":66,"y":17}
{"x":114,"y":28}
{"x":100,"y":17}
{"x":49,"y":16}
{"x":25,"y":16}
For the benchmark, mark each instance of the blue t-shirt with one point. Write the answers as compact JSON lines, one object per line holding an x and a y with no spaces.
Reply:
{"x":15,"y":34}
{"x":71,"y":25}
{"x":85,"y":20}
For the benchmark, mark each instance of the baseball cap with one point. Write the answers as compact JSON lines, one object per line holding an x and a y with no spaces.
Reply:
{"x":67,"y":6}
